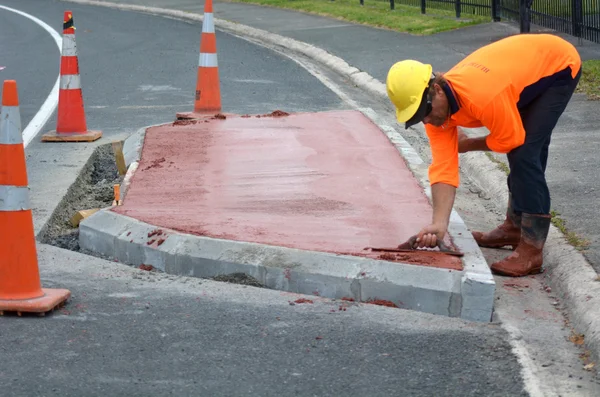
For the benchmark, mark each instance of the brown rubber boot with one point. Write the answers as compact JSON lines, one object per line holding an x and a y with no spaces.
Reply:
{"x":508,"y":233}
{"x":528,"y":257}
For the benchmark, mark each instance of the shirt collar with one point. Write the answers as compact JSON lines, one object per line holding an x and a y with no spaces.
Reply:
{"x":452,"y":101}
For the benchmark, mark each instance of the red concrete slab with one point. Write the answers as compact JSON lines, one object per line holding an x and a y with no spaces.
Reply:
{"x":328,"y":181}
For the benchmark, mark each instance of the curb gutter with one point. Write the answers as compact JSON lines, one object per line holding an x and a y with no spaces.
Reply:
{"x":567,"y":270}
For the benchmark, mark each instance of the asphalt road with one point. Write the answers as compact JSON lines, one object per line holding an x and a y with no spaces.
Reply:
{"x":126,"y":335}
{"x":129,"y":332}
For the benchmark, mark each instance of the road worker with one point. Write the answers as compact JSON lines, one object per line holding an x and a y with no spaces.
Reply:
{"x":517,"y":88}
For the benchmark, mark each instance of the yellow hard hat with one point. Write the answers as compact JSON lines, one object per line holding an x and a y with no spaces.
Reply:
{"x":406,"y":87}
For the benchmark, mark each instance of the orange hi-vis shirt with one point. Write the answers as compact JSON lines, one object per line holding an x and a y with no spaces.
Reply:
{"x":490,"y":85}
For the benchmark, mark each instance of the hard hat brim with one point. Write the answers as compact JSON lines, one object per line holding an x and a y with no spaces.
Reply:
{"x":419,"y":114}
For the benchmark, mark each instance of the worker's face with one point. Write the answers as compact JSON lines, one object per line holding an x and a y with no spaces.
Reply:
{"x":439,"y":108}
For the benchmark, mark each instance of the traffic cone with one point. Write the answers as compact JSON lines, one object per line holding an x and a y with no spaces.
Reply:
{"x":20,"y":287}
{"x":71,"y":125}
{"x":208,"y":93}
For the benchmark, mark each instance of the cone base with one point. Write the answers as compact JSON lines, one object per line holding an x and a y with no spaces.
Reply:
{"x":51,"y":299}
{"x":88,"y":136}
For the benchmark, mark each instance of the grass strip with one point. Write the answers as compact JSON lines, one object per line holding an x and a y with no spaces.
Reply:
{"x":377,"y":13}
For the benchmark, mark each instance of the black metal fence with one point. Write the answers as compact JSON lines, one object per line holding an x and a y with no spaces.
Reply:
{"x":580,"y":18}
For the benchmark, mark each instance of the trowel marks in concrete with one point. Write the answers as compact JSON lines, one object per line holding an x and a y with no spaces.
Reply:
{"x":327,"y":181}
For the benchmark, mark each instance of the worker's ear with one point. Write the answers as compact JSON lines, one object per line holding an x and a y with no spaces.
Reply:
{"x":438,"y":90}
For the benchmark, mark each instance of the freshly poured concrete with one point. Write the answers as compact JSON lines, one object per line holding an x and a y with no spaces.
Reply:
{"x":293,"y":201}
{"x":329,"y":182}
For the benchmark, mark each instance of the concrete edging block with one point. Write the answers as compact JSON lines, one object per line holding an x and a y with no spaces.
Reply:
{"x":422,"y":288}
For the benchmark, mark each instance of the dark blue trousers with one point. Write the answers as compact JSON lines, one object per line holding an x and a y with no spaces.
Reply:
{"x":527,"y":180}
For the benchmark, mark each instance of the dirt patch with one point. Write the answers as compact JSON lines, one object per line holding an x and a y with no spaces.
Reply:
{"x":93,"y":188}
{"x":275,"y":113}
{"x":239,"y":278}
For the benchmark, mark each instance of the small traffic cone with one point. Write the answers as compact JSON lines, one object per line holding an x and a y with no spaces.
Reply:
{"x":20,"y":287}
{"x":208,"y":93}
{"x":71,"y":125}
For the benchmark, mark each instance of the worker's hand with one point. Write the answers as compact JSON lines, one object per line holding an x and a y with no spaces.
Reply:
{"x":430,"y":235}
{"x":463,"y":139}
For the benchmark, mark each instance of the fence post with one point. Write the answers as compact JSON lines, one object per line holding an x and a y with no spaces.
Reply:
{"x":362,"y":2}
{"x":525,"y":25}
{"x":423,"y":6}
{"x":457,"y":8}
{"x":577,"y":14}
{"x":392,"y":5}
{"x":495,"y":14}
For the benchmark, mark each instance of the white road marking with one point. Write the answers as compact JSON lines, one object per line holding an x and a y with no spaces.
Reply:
{"x":257,"y":81}
{"x":49,"y":105}
{"x":158,"y":88}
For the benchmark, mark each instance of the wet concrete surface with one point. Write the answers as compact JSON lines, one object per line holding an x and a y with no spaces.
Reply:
{"x":327,"y":181}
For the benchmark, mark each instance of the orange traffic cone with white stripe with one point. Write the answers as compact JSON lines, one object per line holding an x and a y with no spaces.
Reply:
{"x":71,"y":125}
{"x":208,"y":93}
{"x":20,"y":286}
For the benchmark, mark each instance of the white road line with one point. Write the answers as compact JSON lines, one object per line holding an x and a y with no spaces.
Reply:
{"x":49,"y":105}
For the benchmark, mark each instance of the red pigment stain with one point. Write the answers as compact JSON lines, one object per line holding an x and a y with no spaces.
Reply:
{"x":128,"y":234}
{"x":303,"y":300}
{"x":319,"y":338}
{"x":382,"y":302}
{"x":150,"y":242}
{"x":160,"y":241}
{"x":155,"y":164}
{"x":155,"y":232}
{"x":332,"y":176}
{"x":219,"y":116}
{"x":387,"y":257}
{"x":287,"y":273}
{"x":348,"y":299}
{"x":146,"y":267}
{"x":245,"y":116}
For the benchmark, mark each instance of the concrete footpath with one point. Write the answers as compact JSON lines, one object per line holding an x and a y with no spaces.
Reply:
{"x":349,"y":50}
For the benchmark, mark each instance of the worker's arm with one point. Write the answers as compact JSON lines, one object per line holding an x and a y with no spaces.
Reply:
{"x":466,"y":144}
{"x":444,"y":179}
{"x":442,"y":196}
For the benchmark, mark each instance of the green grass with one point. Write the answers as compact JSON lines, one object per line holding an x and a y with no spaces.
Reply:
{"x":501,"y":165}
{"x":589,"y":83}
{"x":572,"y":238}
{"x":377,"y":13}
